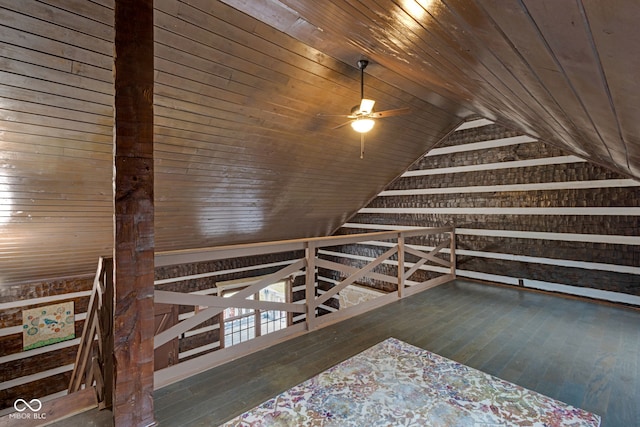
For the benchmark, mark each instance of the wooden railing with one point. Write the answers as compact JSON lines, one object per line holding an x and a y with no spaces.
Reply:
{"x":208,"y":306}
{"x":94,"y":361}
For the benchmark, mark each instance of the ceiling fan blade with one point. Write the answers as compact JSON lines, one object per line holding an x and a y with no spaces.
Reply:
{"x":366,"y":106}
{"x":389,"y":113}
{"x":334,"y":115}
{"x":343,"y":124}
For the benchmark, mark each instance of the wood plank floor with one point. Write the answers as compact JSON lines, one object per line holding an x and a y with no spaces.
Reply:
{"x":582,"y":353}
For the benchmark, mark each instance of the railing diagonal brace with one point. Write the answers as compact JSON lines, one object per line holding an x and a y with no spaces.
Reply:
{"x":431,"y":255}
{"x":204,"y":315}
{"x":355,"y":276}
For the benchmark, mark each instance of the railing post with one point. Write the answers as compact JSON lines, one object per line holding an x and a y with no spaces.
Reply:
{"x":106,"y":324}
{"x":452,"y":258}
{"x":310,"y":283}
{"x":91,"y":366}
{"x":400,"y":264}
{"x":133,"y":212}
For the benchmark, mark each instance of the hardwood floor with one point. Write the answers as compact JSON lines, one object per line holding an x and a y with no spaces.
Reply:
{"x":582,"y":353}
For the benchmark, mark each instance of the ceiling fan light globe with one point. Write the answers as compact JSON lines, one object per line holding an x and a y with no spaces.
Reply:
{"x":363,"y":125}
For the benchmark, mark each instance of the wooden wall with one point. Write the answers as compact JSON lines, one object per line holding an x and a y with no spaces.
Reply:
{"x":526,"y":213}
{"x":236,"y":107}
{"x":56,"y":116}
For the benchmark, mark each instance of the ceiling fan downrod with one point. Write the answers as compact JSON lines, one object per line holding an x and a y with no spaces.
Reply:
{"x":362,"y":64}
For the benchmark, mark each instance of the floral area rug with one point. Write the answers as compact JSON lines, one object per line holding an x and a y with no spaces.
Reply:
{"x":396,"y":384}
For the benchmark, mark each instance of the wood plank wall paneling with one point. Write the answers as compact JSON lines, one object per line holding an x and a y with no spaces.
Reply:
{"x":560,"y":74}
{"x":601,"y":17}
{"x":236,"y":105}
{"x":13,"y":317}
{"x":237,"y":101}
{"x":580,"y":249}
{"x":46,"y":387}
{"x":56,"y":97}
{"x":244,"y":144}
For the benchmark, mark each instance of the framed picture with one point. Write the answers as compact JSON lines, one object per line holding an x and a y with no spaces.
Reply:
{"x":47,"y":325}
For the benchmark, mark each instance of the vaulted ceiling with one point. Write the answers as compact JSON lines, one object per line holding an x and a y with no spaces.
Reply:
{"x":241,"y":154}
{"x":558,"y":70}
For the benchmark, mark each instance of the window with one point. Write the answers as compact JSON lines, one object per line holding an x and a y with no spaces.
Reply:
{"x":243,"y":324}
{"x":273,"y":320}
{"x":239,"y":323}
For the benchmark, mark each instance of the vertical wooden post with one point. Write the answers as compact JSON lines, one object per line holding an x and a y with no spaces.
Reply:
{"x":106,"y":330}
{"x":452,"y":258}
{"x":400,"y":264}
{"x":133,"y":214}
{"x":257,"y":317}
{"x":310,"y":282}
{"x":289,"y":299}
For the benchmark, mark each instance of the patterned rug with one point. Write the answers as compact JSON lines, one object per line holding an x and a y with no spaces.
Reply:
{"x":396,"y":384}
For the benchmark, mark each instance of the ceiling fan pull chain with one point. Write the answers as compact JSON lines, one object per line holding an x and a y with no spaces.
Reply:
{"x":362,"y":145}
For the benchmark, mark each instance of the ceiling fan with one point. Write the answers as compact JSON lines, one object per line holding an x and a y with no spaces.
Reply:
{"x":362,"y":117}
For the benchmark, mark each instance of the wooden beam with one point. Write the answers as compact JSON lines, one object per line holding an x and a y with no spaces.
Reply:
{"x":400,"y":264}
{"x":181,"y":298}
{"x":105,"y":323}
{"x":310,"y":284}
{"x":452,"y":255}
{"x":134,"y":210}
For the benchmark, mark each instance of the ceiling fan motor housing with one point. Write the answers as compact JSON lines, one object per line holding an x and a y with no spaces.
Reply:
{"x":356,"y":111}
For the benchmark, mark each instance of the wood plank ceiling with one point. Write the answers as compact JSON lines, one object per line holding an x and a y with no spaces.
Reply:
{"x":240,"y":152}
{"x":558,"y":70}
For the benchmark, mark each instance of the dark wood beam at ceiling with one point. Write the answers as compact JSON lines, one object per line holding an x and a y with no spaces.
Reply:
{"x":134,"y":214}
